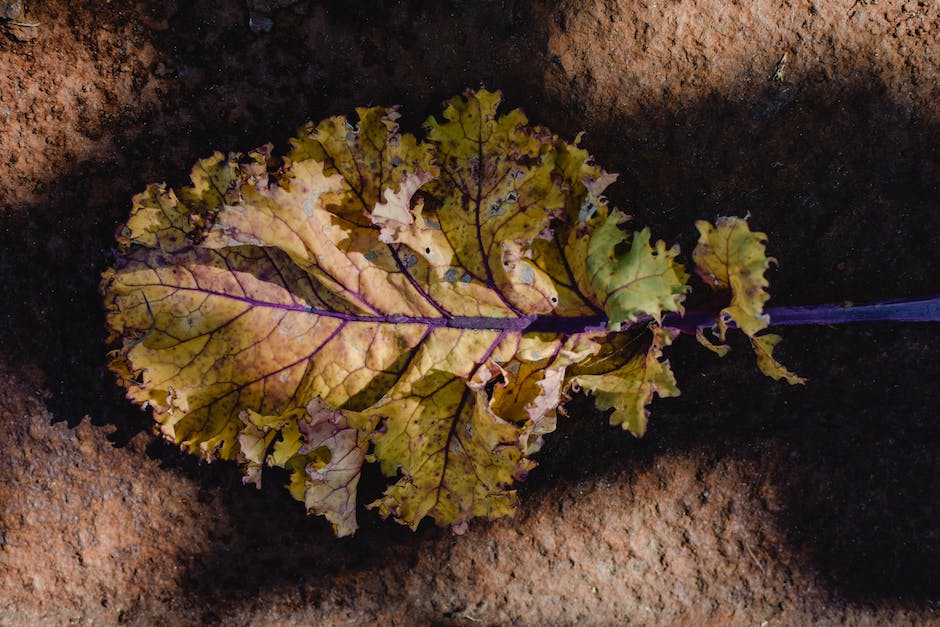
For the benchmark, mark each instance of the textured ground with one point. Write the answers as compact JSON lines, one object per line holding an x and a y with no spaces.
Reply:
{"x":746,"y":502}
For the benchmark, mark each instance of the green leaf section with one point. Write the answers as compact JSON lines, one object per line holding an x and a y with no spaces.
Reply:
{"x":731,"y":259}
{"x":631,"y":278}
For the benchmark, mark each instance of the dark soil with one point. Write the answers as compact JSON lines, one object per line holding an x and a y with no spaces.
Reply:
{"x":748,"y":500}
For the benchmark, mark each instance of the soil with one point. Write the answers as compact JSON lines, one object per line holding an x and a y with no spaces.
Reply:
{"x":748,"y":502}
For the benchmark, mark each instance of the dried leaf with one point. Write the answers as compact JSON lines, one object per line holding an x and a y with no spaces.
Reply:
{"x":764,"y":349}
{"x":329,"y":479}
{"x":719,"y":349}
{"x":373,"y":296}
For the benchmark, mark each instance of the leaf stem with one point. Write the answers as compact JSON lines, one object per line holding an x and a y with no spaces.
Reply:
{"x":925,"y":309}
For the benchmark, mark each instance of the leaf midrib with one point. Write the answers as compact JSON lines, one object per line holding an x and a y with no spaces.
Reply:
{"x":520,"y":324}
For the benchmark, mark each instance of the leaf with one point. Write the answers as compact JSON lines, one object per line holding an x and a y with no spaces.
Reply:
{"x":258,"y":435}
{"x":730,"y":257}
{"x":629,"y":385}
{"x":641,"y":281}
{"x":372,"y":296}
{"x":329,"y":480}
{"x":764,"y":349}
{"x":719,"y":349}
{"x":456,"y":458}
{"x":160,"y":218}
{"x":539,"y":370}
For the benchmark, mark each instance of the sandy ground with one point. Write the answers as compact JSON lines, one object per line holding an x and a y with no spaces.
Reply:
{"x":747,"y":503}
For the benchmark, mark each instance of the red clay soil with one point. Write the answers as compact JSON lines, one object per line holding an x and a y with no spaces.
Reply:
{"x":748,"y":502}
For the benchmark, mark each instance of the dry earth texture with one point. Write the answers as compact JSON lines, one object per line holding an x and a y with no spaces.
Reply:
{"x":748,"y":501}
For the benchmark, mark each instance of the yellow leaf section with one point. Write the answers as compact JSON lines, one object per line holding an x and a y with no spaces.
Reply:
{"x":455,"y":458}
{"x":299,"y":215}
{"x":395,"y":212}
{"x":628,"y":386}
{"x":430,"y":255}
{"x":220,"y":331}
{"x":381,"y":171}
{"x":324,"y":454}
{"x":764,"y":350}
{"x":631,"y":278}
{"x":563,"y":254}
{"x":731,"y":257}
{"x":160,"y":218}
{"x":260,"y":433}
{"x":496,"y":194}
{"x":370,"y":157}
{"x":533,"y":381}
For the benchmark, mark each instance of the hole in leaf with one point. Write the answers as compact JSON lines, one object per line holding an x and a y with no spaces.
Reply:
{"x":492,"y":383}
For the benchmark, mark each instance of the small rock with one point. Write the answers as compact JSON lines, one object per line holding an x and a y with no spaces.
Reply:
{"x":12,"y":9}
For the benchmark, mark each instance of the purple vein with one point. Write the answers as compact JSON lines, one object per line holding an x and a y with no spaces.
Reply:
{"x":240,"y":387}
{"x":478,"y":201}
{"x":462,"y":192}
{"x":926,"y":309}
{"x":394,"y":251}
{"x":452,"y":431}
{"x":571,"y":277}
{"x":414,"y":282}
{"x":519,"y":324}
{"x":362,"y":201}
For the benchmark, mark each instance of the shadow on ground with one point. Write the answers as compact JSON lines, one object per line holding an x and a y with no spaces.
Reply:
{"x":843,"y":179}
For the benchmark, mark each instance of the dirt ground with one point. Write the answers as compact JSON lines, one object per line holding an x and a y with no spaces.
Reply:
{"x":748,"y":502}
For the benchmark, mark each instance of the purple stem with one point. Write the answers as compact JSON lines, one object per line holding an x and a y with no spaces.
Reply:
{"x":925,"y":309}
